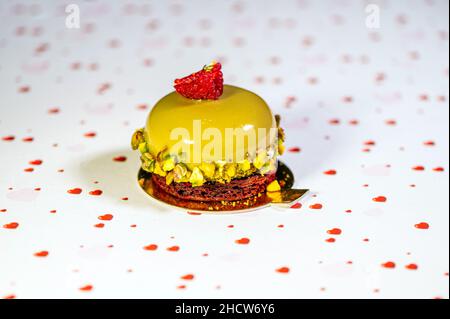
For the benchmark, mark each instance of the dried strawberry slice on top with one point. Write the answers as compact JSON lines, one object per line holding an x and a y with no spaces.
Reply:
{"x":206,"y":84}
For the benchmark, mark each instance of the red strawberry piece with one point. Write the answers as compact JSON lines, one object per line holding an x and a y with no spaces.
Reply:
{"x":206,"y":84}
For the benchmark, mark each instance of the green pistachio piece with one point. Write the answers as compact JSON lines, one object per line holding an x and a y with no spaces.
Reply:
{"x":260,"y":160}
{"x":231,"y":170}
{"x":147,"y":164}
{"x":208,"y":169}
{"x":190,"y":167}
{"x":143,"y":148}
{"x":281,"y":147}
{"x":268,"y":167}
{"x":179,"y":171}
{"x":137,"y":139}
{"x":148,"y":156}
{"x":196,"y":178}
{"x":169,"y":178}
{"x":281,"y":135}
{"x":158,"y":170}
{"x":169,"y":164}
{"x":244,"y":165}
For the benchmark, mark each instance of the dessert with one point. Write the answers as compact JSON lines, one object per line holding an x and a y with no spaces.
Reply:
{"x":210,"y":142}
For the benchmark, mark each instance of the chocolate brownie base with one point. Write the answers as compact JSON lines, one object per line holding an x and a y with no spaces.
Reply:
{"x":236,"y":189}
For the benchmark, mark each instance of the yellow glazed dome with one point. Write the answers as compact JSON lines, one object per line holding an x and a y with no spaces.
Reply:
{"x":237,"y":108}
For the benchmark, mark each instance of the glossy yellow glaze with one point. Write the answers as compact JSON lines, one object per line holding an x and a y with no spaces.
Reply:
{"x":236,"y":108}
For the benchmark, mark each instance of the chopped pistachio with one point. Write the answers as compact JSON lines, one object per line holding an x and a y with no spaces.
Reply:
{"x":196,"y":178}
{"x":190,"y":166}
{"x":281,"y":147}
{"x":221,"y":163}
{"x":158,"y":170}
{"x":143,"y":147}
{"x":208,"y":169}
{"x":281,"y":135}
{"x":147,"y":164}
{"x":231,"y":170}
{"x":137,"y":139}
{"x":244,"y":165}
{"x":270,"y":166}
{"x":162,"y":155}
{"x":169,"y":178}
{"x":260,"y":160}
{"x":180,"y":171}
{"x":169,"y":164}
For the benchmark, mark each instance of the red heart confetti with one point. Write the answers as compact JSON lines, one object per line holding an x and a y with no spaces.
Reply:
{"x":388,"y":264}
{"x":379,"y":199}
{"x":242,"y":241}
{"x":188,"y":277}
{"x":106,"y":217}
{"x":297,"y":206}
{"x":412,"y":267}
{"x":334,"y":231}
{"x":35,"y":162}
{"x":422,"y":225}
{"x":283,"y":270}
{"x":12,"y":225}
{"x":86,"y":288}
{"x":96,"y":192}
{"x":151,"y":247}
{"x":42,"y":253}
{"x":75,"y":191}
{"x":8,"y":138}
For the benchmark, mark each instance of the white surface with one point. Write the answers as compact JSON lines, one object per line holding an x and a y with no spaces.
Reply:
{"x":273,"y":48}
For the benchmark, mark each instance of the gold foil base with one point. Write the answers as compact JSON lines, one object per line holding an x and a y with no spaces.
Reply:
{"x":287,"y":195}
